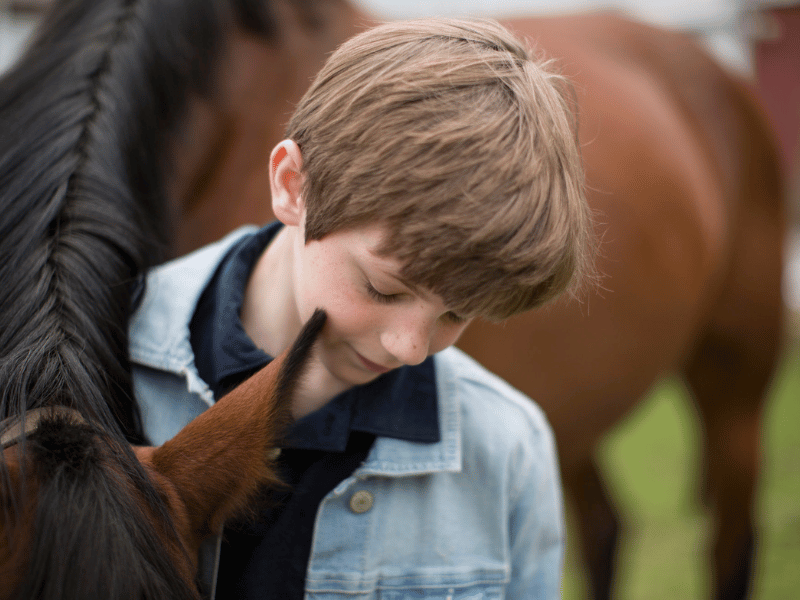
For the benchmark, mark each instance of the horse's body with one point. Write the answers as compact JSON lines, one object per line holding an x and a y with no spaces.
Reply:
{"x":683,"y":176}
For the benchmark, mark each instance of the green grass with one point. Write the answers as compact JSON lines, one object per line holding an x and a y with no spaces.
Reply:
{"x":651,"y":464}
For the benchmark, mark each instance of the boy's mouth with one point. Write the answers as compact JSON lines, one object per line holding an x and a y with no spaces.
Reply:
{"x":374,"y":367}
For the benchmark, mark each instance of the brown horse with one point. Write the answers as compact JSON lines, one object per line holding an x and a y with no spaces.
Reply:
{"x":204,"y":475}
{"x":683,"y":176}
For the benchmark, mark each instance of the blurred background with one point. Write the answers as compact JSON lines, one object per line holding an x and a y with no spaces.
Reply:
{"x":651,"y":458}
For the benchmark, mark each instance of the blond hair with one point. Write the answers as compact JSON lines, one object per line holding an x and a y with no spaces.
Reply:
{"x":464,"y":147}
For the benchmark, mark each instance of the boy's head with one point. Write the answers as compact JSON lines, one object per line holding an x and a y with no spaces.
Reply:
{"x":450,"y":136}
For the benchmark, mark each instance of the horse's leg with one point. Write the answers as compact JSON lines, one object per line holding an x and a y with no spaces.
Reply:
{"x":731,"y":419}
{"x":729,"y":374}
{"x":597,"y":521}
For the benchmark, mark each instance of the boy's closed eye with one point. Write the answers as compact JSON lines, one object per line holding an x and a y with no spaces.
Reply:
{"x":379,"y":296}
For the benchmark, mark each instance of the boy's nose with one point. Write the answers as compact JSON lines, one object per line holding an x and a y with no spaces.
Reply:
{"x":408,"y":342}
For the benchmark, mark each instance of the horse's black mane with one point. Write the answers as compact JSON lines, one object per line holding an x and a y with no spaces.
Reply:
{"x":84,"y":115}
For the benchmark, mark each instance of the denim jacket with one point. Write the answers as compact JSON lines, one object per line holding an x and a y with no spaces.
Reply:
{"x":477,"y":515}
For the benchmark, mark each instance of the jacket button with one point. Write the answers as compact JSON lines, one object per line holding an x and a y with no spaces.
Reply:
{"x":361,"y":501}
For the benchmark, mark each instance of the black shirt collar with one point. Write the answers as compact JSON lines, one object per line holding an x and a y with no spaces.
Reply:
{"x":400,"y":404}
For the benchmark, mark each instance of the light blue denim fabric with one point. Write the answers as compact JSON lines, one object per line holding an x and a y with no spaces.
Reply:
{"x":477,"y":515}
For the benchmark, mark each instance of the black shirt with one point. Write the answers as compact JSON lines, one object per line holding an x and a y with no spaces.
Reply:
{"x":266,"y":556}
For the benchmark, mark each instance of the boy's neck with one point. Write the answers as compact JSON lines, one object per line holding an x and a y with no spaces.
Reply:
{"x":269,"y":315}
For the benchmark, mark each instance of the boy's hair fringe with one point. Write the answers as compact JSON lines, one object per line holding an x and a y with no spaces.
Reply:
{"x":452,"y":136}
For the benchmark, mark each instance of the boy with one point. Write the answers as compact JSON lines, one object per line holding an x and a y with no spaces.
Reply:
{"x":430,"y":175}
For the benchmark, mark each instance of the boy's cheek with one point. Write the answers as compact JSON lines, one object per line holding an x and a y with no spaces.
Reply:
{"x":337,"y":298}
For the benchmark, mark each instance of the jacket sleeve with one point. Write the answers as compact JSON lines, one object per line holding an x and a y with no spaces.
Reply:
{"x":536,"y":518}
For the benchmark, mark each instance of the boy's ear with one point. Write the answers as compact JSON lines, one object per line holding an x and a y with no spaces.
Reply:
{"x":286,"y":183}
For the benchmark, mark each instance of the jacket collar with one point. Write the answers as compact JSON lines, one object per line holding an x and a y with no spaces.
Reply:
{"x":159,"y":329}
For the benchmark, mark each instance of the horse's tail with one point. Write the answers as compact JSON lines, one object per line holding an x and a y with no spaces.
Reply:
{"x":84,"y":115}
